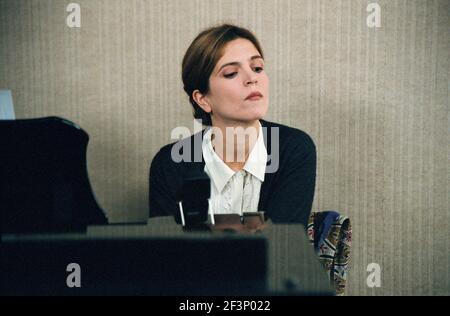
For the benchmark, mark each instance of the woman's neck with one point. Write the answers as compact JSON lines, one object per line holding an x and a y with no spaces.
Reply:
{"x":234,"y":142}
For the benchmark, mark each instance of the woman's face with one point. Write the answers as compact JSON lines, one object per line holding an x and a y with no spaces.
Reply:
{"x":239,"y":72}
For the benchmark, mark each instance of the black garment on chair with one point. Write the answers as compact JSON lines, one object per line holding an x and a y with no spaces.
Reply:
{"x":44,"y":185}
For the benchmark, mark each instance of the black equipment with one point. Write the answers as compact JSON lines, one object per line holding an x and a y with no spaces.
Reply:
{"x":44,"y":184}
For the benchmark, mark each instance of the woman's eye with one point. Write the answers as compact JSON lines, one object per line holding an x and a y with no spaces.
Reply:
{"x":231,"y":75}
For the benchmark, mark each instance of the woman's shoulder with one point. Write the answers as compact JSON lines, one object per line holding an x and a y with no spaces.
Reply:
{"x":164,"y":151}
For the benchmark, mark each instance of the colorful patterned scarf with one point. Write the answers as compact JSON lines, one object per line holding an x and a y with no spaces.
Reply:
{"x":331,"y":235}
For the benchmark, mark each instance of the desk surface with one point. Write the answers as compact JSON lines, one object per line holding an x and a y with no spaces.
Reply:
{"x":293,"y":267}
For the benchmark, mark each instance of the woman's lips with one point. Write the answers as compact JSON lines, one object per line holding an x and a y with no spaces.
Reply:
{"x":255,"y":95}
{"x":254,"y":98}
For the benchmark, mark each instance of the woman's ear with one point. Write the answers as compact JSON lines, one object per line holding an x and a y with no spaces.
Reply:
{"x":202,"y":101}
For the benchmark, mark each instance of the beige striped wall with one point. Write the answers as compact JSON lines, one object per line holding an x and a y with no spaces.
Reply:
{"x":375,"y":101}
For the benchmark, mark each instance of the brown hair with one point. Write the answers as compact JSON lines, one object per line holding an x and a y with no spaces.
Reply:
{"x":202,"y":56}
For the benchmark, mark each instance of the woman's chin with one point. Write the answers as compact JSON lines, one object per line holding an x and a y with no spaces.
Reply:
{"x":255,"y":113}
{"x":258,"y":114}
{"x":247,"y":116}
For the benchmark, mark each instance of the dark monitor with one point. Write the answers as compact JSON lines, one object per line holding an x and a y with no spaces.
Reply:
{"x":135,"y":266}
{"x":44,"y":184}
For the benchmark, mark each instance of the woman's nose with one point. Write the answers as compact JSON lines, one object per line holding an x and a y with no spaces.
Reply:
{"x":251,"y":79}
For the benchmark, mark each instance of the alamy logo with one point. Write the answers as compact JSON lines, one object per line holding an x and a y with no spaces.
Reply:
{"x":74,"y":277}
{"x":374,"y":277}
{"x":74,"y":17}
{"x":186,"y":150}
{"x":374,"y":18}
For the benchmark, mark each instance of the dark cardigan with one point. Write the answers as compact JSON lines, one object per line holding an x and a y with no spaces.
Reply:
{"x":286,"y":194}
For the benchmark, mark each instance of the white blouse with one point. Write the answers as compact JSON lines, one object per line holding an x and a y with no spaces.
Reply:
{"x":235,"y":192}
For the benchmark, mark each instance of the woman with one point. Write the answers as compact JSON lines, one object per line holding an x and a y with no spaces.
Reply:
{"x":273,"y":172}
